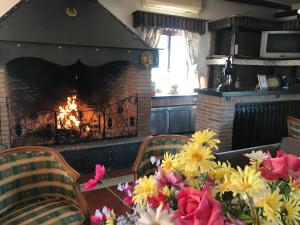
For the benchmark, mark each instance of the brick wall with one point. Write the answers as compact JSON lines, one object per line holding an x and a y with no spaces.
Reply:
{"x":217,"y":113}
{"x":4,"y":120}
{"x":144,"y":102}
{"x":133,"y":80}
{"x":137,"y":80}
{"x":170,"y":101}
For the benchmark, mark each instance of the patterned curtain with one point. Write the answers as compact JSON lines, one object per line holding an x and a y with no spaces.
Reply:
{"x":151,"y":35}
{"x":193,"y":43}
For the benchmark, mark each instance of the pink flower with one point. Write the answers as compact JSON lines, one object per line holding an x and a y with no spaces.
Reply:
{"x":99,"y":172}
{"x":128,"y":200}
{"x":197,"y":208}
{"x":163,"y":178}
{"x":98,"y":217}
{"x":280,"y":166}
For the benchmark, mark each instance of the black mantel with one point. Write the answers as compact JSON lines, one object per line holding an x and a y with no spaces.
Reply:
{"x":247,"y":92}
{"x":46,"y":29}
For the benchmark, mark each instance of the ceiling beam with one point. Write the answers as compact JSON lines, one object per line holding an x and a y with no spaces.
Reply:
{"x":286,"y":13}
{"x":264,"y":3}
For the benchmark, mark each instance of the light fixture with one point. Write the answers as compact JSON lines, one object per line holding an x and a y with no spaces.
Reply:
{"x":298,"y":11}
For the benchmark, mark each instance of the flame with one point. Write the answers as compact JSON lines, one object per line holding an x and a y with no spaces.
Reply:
{"x":68,"y":115}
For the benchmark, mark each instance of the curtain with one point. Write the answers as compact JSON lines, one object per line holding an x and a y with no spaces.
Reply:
{"x":193,"y":43}
{"x":151,"y":35}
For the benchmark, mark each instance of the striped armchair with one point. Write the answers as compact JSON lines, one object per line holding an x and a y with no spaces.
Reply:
{"x":37,"y":186}
{"x":156,"y":146}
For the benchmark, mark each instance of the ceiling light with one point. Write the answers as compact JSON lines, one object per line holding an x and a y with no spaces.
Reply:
{"x":298,"y":11}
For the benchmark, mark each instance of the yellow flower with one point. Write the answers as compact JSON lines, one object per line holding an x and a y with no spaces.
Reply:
{"x":295,"y":188}
{"x":247,"y":182}
{"x":205,"y":138}
{"x":291,"y":209}
{"x":144,"y":189}
{"x":271,"y":207}
{"x":167,"y":163}
{"x":166,"y":191}
{"x":220,"y":170}
{"x":224,"y":186}
{"x":111,"y":219}
{"x":194,"y":159}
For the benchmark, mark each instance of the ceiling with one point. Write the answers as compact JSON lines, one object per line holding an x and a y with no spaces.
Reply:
{"x":287,"y":1}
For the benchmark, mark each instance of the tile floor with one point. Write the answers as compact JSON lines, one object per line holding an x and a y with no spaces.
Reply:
{"x":100,"y":196}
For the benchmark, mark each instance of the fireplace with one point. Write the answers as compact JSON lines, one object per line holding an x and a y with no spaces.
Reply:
{"x":88,"y":84}
{"x":70,"y":104}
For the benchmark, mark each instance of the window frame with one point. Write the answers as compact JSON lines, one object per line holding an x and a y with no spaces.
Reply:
{"x":170,"y":33}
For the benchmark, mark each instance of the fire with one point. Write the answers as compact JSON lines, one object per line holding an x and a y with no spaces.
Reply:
{"x":68,"y":115}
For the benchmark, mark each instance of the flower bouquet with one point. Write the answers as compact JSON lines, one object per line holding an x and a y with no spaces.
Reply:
{"x":191,"y":188}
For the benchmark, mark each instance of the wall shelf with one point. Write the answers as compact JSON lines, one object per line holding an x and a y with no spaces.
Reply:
{"x":254,"y":62}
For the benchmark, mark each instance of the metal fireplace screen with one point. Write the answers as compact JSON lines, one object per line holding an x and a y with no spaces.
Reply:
{"x":42,"y":127}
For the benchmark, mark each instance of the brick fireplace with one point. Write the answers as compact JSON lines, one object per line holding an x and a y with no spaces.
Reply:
{"x":38,"y":72}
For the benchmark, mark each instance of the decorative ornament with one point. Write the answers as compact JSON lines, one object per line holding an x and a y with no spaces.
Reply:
{"x":71,"y":12}
{"x":146,"y":58}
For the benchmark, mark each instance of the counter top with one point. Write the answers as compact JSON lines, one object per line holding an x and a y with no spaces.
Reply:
{"x":236,"y":93}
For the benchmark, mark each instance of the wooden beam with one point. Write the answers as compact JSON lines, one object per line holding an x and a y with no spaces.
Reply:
{"x":286,"y":13}
{"x":264,"y":3}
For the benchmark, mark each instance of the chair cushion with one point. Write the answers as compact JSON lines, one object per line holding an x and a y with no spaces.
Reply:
{"x":293,"y":127}
{"x":26,"y":176}
{"x":47,"y":211}
{"x":158,"y":148}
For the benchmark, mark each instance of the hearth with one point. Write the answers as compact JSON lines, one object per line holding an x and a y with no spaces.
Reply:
{"x":62,"y":87}
{"x":70,"y":104}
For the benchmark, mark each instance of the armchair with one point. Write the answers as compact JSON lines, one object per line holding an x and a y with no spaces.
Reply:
{"x":156,"y":146}
{"x":37,"y":186}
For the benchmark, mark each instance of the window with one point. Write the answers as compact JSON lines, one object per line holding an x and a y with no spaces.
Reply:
{"x":175,"y":74}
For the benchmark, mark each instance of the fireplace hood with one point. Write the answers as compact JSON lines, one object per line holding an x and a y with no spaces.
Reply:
{"x":65,"y":31}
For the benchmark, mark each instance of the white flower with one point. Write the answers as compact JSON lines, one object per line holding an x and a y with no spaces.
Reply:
{"x":258,"y":156}
{"x":153,"y":159}
{"x":106,"y":211}
{"x":158,"y":163}
{"x":122,"y":187}
{"x":98,"y":213}
{"x":150,"y":217}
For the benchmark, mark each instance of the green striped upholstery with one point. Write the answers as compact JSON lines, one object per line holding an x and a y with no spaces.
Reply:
{"x":294,"y":127}
{"x":31,"y":177}
{"x":50,"y":211}
{"x":158,"y":147}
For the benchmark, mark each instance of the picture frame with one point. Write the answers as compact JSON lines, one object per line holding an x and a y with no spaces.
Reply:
{"x":262,"y":82}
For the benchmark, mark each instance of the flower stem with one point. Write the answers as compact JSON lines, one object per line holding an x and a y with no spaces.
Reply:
{"x":114,"y":194}
{"x":253,"y":211}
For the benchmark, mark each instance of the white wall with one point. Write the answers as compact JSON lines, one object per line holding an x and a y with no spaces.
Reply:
{"x":212,"y":9}
{"x":5,"y":5}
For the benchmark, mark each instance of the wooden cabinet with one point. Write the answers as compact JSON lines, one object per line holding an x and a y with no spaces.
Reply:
{"x":240,"y":37}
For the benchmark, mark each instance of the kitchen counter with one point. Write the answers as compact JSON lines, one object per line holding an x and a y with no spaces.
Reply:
{"x":247,"y":92}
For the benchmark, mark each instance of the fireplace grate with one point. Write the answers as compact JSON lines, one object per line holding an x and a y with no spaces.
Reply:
{"x":42,"y":127}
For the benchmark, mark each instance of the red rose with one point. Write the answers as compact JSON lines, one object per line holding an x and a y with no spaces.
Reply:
{"x":156,"y":201}
{"x":197,"y":208}
{"x":280,"y":166}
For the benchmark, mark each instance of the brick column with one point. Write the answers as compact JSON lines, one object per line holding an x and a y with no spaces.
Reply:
{"x":144,"y":102}
{"x":217,"y":114}
{"x":4,"y":119}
